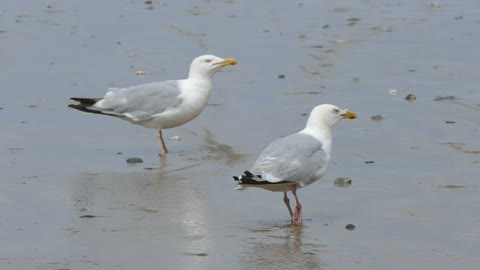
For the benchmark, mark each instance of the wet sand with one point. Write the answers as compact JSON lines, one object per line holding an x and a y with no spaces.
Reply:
{"x":69,"y":200}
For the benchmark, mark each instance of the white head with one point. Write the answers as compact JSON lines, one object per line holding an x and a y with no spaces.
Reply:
{"x":205,"y":66}
{"x":327,"y":115}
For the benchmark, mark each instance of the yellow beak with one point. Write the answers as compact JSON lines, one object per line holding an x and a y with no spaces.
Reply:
{"x":227,"y":62}
{"x":349,"y":115}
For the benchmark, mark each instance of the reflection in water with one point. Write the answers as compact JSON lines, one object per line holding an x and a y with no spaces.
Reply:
{"x":160,"y":215}
{"x":280,"y":247}
{"x":195,"y":225}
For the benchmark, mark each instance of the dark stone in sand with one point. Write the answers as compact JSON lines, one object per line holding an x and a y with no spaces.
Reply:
{"x":377,"y":117}
{"x":134,"y":160}
{"x":343,"y":182}
{"x":88,"y":216}
{"x":411,"y":97}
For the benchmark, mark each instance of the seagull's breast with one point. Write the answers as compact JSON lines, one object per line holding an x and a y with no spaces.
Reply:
{"x":194,"y":99}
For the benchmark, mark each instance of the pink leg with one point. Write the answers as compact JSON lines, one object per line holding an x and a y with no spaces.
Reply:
{"x":287,"y":203}
{"x":297,"y":215}
{"x":163,"y":147}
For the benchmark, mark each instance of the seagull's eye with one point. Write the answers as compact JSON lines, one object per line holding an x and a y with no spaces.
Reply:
{"x":336,"y":111}
{"x":208,"y":60}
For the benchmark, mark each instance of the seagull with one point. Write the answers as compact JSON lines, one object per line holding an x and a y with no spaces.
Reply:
{"x":297,"y":160}
{"x":160,"y":105}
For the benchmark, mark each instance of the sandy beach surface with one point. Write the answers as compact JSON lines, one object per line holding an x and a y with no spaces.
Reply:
{"x":69,"y":199}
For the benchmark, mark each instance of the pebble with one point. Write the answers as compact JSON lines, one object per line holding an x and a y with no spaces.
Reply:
{"x":281,"y":76}
{"x":377,"y":117}
{"x":343,"y":182}
{"x":175,"y":138}
{"x":411,"y":97}
{"x":134,"y":160}
{"x":369,"y":161}
{"x":88,"y":216}
{"x":350,"y":227}
{"x":449,"y":122}
{"x":140,"y":73}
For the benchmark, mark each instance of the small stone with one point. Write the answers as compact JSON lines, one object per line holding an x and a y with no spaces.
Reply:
{"x":343,"y":182}
{"x":325,"y":26}
{"x":392,"y":92}
{"x":119,"y":153}
{"x":449,"y":122}
{"x":140,"y":73}
{"x":452,"y":186}
{"x":201,"y":254}
{"x":175,"y":138}
{"x":149,"y":210}
{"x":369,"y":162}
{"x":411,"y":97}
{"x":281,"y":76}
{"x":377,"y":117}
{"x":350,"y":227}
{"x":134,"y":160}
{"x":88,"y":216}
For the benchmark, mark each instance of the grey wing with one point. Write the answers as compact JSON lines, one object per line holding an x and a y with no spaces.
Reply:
{"x":141,"y":102}
{"x":297,"y":157}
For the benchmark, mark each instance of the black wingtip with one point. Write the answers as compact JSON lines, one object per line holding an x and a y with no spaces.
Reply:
{"x":83,"y":108}
{"x":86,"y":101}
{"x":249,"y":178}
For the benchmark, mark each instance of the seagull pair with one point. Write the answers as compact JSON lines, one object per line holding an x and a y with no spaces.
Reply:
{"x":285,"y":165}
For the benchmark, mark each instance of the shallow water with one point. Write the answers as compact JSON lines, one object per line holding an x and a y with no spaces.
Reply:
{"x":69,"y":200}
